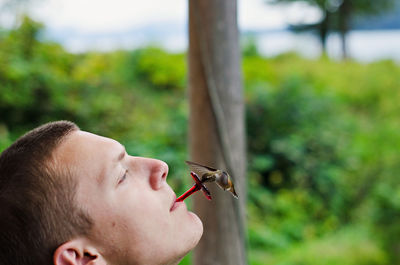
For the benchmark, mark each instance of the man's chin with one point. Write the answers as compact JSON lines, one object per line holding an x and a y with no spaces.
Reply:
{"x":198,"y":223}
{"x":197,"y":230}
{"x":192,"y":230}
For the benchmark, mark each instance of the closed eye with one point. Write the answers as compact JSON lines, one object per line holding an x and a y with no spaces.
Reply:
{"x":123,"y":177}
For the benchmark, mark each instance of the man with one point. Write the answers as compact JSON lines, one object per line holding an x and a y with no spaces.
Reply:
{"x":69,"y":197}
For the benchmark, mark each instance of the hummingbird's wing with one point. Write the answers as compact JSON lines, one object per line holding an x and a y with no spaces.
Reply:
{"x":200,"y":169}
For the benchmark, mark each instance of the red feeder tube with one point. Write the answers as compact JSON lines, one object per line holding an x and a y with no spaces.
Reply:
{"x":196,"y":187}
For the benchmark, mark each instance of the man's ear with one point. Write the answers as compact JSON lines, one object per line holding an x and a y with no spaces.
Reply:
{"x":77,"y":252}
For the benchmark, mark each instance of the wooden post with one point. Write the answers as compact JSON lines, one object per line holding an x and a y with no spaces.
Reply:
{"x":216,"y":127}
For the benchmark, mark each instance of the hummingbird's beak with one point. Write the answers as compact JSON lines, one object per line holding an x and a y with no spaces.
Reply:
{"x":232,"y":190}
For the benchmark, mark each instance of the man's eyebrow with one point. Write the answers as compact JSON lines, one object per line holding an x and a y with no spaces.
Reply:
{"x":122,"y":153}
{"x":107,"y":170}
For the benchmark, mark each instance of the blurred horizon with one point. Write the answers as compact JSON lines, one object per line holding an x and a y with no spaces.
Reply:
{"x":373,"y":37}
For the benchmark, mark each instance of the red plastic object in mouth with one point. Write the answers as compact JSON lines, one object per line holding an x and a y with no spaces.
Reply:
{"x":196,"y":187}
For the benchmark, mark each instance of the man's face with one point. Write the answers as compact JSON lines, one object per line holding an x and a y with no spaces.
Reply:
{"x":135,"y":218}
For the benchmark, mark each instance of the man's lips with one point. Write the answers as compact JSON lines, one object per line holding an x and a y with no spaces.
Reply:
{"x":175,"y":204}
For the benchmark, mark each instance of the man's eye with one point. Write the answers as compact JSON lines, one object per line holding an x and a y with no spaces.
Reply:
{"x":123,"y":177}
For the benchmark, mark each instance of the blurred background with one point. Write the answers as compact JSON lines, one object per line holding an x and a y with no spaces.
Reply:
{"x":322,"y":91}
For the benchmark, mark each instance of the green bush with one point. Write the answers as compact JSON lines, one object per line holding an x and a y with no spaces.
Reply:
{"x":351,"y":246}
{"x":158,"y":68}
{"x":387,"y":218}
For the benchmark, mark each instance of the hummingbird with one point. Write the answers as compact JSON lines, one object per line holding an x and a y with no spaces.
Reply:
{"x":209,"y":174}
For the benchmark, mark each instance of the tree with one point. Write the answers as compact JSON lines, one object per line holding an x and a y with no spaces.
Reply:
{"x":337,"y":15}
{"x":322,"y":27}
{"x":14,"y":10}
{"x":216,"y":126}
{"x":349,"y":8}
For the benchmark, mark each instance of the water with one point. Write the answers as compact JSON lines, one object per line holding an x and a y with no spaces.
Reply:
{"x":363,"y":45}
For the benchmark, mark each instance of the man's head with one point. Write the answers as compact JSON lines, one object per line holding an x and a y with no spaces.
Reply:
{"x":72,"y":197}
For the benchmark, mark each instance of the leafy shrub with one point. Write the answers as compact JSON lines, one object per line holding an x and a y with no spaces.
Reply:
{"x":387,"y":218}
{"x":294,"y":138}
{"x":158,"y":68}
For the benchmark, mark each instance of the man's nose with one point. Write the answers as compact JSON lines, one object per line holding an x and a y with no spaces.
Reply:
{"x":157,"y":170}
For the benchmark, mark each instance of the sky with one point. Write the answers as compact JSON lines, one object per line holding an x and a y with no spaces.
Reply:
{"x":100,"y":16}
{"x":106,"y":25}
{"x":81,"y":25}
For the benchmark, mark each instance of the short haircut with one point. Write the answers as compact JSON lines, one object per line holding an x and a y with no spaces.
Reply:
{"x":38,"y":211}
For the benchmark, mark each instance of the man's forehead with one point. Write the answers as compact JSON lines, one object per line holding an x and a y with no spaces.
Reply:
{"x":111,"y":146}
{"x":85,"y":141}
{"x":87,"y":153}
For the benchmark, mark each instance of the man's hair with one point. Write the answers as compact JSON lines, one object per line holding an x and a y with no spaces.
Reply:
{"x":38,"y":211}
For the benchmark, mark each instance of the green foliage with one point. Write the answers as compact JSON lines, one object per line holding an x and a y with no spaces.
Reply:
{"x":296,"y":136}
{"x":5,"y":140}
{"x":346,"y":247}
{"x":249,"y":47}
{"x":323,"y":140}
{"x":32,"y":82}
{"x":387,"y":218}
{"x":158,"y":68}
{"x":323,"y":136}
